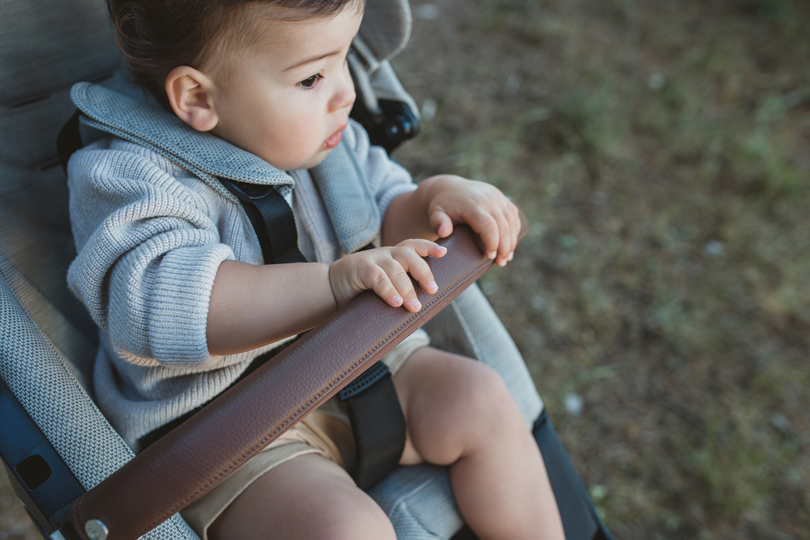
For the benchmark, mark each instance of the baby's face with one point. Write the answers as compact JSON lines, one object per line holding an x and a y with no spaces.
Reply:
{"x":287,"y":98}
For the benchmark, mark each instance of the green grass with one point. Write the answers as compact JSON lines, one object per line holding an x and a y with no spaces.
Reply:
{"x":662,"y":151}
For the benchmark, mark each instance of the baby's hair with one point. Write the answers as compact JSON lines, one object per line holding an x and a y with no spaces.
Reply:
{"x":155,"y":36}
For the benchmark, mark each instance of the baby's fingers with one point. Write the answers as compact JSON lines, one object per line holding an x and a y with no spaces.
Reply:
{"x":506,"y":241}
{"x":378,"y":280}
{"x":424,"y":248}
{"x":486,"y":227}
{"x":513,"y":215}
{"x":417,"y":267}
{"x":402,"y":283}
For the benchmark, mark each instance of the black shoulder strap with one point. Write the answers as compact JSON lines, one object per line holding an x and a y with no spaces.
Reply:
{"x":272,"y":219}
{"x":68,"y":140}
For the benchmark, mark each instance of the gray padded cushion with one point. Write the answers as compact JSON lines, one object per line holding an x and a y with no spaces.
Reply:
{"x":47,"y":45}
{"x":386,"y":26}
{"x":53,"y":398}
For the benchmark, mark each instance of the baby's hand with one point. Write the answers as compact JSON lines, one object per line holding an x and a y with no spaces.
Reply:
{"x":482,"y":206}
{"x":385,"y":271}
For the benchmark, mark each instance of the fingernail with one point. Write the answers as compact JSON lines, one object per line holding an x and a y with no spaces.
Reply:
{"x":416,"y":305}
{"x":397,"y":300}
{"x":511,"y":256}
{"x":492,"y":254}
{"x":432,"y":286}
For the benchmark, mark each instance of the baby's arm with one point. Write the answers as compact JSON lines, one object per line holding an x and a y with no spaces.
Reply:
{"x":253,"y":305}
{"x":440,"y":201}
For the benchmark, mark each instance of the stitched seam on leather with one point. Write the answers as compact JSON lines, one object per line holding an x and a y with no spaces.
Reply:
{"x":247,"y":455}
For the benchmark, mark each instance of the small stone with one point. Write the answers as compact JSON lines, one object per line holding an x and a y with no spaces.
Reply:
{"x":427,"y":12}
{"x":513,"y":82}
{"x":573,"y":403}
{"x":714,"y":248}
{"x":781,"y":422}
{"x":428,"y":111}
{"x":656,"y":81}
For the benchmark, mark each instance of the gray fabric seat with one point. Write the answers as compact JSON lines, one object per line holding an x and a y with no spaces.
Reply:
{"x":48,"y":343}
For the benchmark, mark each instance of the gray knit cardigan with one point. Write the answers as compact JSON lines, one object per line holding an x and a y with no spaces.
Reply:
{"x":150,"y":235}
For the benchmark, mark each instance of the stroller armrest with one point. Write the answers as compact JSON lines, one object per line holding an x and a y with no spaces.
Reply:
{"x":191,"y":459}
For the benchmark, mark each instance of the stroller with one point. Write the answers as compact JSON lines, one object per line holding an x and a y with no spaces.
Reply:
{"x":74,"y":474}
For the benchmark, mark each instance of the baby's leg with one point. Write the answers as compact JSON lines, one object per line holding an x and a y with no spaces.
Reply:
{"x":308,"y":497}
{"x":460,"y":414}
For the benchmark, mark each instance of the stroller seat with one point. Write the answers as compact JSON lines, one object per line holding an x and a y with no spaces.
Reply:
{"x":56,"y":444}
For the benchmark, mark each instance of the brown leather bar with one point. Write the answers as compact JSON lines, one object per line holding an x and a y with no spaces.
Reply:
{"x":191,"y":459}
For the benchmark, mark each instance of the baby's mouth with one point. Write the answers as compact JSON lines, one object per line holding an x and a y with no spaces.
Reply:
{"x":335,"y":139}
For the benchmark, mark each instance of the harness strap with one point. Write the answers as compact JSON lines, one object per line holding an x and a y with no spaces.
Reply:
{"x":378,"y":424}
{"x":68,"y":140}
{"x":272,"y":219}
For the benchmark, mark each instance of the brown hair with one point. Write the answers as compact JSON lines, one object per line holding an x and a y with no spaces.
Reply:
{"x":156,"y":36}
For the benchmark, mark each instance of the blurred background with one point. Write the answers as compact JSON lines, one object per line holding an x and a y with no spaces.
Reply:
{"x":661,"y":150}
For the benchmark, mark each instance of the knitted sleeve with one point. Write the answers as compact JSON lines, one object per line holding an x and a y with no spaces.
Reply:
{"x":387,"y":178}
{"x":148,"y":250}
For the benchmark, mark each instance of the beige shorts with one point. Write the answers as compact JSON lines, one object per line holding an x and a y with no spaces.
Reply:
{"x":325,"y":431}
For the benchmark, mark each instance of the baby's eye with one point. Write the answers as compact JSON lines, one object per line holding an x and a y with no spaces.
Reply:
{"x":311,"y":82}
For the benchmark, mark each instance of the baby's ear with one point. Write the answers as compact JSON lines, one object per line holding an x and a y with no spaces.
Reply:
{"x":190,"y":95}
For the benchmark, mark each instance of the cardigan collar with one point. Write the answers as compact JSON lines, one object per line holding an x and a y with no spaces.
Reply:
{"x":351,"y":206}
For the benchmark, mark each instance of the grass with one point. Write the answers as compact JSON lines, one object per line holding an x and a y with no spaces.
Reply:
{"x":661,"y":151}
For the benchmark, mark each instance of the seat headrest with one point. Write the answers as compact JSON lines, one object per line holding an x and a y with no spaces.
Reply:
{"x":48,"y":45}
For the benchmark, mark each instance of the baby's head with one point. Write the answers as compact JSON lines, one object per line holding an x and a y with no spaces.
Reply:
{"x":269,"y":76}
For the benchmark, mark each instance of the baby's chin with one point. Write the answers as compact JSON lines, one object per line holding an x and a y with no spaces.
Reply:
{"x":313,"y":161}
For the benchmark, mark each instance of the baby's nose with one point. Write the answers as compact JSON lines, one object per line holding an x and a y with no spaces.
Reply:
{"x":344,"y":95}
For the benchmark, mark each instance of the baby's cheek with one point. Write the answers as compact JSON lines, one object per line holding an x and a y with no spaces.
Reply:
{"x":293,"y":151}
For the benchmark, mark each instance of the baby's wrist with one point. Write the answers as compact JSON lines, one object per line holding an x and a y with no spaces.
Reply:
{"x":333,"y":277}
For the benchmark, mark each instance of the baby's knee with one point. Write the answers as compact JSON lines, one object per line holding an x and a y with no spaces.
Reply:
{"x":489,"y":398}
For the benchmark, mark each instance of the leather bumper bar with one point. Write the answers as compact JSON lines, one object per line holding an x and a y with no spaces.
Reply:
{"x":180,"y":467}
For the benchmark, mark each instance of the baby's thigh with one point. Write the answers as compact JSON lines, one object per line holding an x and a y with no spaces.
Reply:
{"x":307,"y":497}
{"x":451,"y":403}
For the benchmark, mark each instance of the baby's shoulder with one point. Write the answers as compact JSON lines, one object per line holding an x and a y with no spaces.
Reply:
{"x":115,"y":156}
{"x":114,"y":163}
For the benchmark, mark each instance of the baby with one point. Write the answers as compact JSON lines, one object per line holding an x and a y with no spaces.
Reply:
{"x":170,"y":269}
